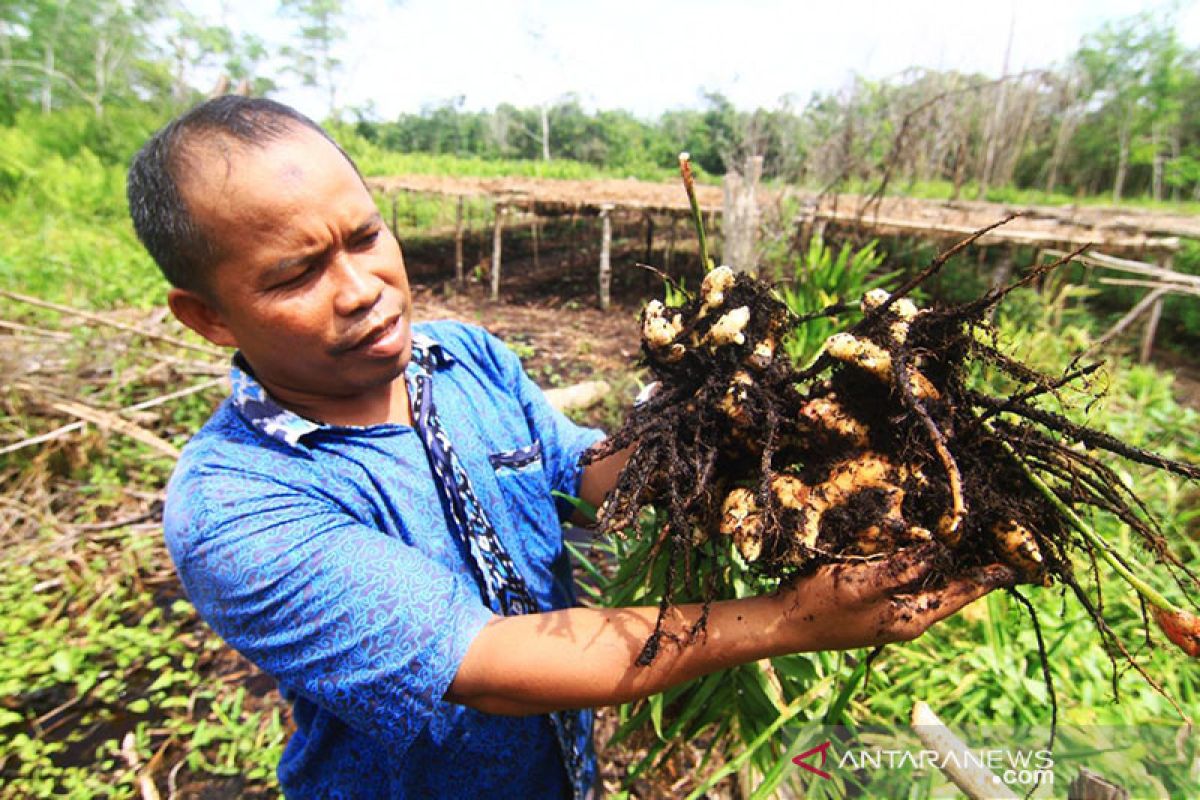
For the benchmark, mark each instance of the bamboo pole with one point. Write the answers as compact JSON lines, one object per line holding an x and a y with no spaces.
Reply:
{"x":77,"y":426}
{"x":1137,"y":267}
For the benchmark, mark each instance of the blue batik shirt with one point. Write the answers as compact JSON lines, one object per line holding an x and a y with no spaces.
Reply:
{"x":323,"y":553}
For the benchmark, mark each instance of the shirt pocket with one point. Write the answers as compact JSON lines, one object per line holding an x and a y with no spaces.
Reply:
{"x":522,"y":481}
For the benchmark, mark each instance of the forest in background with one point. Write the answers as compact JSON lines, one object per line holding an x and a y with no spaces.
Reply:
{"x":1119,"y":119}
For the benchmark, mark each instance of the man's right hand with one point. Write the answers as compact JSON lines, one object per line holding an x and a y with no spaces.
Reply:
{"x":865,"y":604}
{"x":583,"y":657}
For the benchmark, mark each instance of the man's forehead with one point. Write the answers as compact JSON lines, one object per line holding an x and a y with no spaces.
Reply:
{"x":235,"y":179}
{"x":217,"y":158}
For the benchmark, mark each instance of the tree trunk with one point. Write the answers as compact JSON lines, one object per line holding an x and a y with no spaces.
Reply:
{"x":1019,"y":141}
{"x":1156,"y":182}
{"x":1122,"y":159}
{"x":1175,"y":155}
{"x":1065,"y":128}
{"x":545,"y":133}
{"x":993,"y":132}
{"x":960,"y":164}
{"x":740,"y":217}
{"x":47,"y":85}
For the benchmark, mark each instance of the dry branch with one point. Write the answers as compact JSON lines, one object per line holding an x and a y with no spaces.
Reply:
{"x":101,"y":320}
{"x":76,"y":426}
{"x":110,"y":421}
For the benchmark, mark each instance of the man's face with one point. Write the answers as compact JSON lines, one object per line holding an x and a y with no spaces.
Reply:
{"x":310,"y":284}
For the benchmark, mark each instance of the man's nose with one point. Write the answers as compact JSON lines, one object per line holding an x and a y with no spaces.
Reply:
{"x":358,"y":288}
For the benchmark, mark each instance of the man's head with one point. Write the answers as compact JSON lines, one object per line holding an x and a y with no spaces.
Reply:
{"x":274,"y":246}
{"x":158,"y":176}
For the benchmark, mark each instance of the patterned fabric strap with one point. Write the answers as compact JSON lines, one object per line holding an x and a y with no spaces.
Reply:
{"x":503,"y":586}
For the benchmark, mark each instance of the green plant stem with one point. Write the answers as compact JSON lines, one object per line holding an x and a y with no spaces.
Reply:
{"x":1148,"y":592}
{"x":689,"y":184}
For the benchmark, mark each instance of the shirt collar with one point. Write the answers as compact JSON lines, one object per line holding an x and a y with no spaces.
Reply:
{"x":265,"y":414}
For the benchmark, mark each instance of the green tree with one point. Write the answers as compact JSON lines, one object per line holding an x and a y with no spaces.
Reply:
{"x":59,"y":53}
{"x":319,"y":33}
{"x":1128,"y":65}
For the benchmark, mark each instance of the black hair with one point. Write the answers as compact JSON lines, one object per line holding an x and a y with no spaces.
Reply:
{"x":161,"y":217}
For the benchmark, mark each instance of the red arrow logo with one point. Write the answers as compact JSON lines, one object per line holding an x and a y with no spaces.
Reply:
{"x":823,"y":749}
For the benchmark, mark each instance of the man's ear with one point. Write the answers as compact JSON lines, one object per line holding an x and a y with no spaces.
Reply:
{"x":198,"y":313}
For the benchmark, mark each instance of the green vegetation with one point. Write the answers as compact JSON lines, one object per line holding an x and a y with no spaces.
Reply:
{"x":96,"y":641}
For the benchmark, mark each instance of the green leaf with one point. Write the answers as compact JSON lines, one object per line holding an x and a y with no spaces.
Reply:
{"x":656,"y":712}
{"x":62,"y":665}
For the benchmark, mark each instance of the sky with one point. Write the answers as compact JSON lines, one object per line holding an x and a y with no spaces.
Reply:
{"x":648,"y":56}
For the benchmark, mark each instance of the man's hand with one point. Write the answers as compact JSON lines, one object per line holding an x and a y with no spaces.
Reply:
{"x":843,"y":606}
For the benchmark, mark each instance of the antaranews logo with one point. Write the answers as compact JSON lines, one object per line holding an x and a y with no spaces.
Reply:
{"x":802,"y":759}
{"x":1025,"y":767}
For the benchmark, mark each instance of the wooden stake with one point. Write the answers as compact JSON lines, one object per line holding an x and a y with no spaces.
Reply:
{"x":671,"y":236}
{"x":497,"y":229}
{"x":458,"y":244}
{"x":1003,"y":268}
{"x":395,"y":218}
{"x":648,"y":277}
{"x":649,"y":239}
{"x":574,"y":249}
{"x":536,"y":237}
{"x":605,"y":262}
{"x":1151,"y":329}
{"x":1125,"y":321}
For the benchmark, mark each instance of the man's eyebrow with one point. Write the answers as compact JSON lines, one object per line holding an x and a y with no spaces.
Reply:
{"x":285,"y":264}
{"x":371,"y":222}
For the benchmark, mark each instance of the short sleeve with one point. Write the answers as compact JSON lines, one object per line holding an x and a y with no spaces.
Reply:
{"x":563,"y":442}
{"x":358,"y":622}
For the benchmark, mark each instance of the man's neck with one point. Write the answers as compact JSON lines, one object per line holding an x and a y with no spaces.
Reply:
{"x":385,"y":404}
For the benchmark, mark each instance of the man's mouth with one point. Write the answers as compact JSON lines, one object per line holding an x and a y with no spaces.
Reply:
{"x":385,"y":339}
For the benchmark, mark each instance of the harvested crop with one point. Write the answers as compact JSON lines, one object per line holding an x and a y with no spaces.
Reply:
{"x":879,"y":445}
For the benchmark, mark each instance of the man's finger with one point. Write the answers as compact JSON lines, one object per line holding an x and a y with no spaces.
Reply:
{"x":904,"y":569}
{"x":934,"y":605}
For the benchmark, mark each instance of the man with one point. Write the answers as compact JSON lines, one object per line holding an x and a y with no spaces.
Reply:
{"x":369,"y":517}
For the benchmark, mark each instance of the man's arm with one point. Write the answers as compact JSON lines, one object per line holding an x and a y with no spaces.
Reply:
{"x":583,"y":657}
{"x":600,"y":477}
